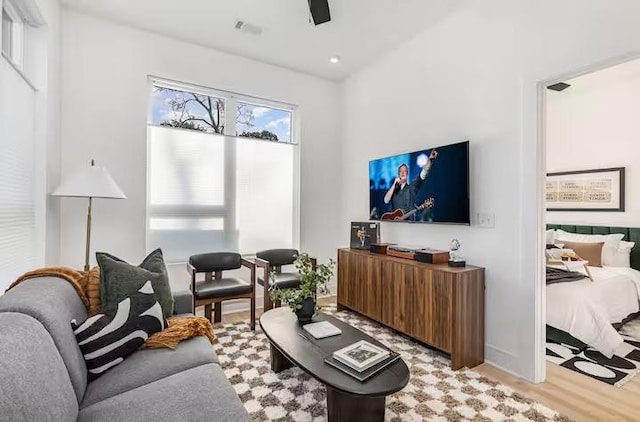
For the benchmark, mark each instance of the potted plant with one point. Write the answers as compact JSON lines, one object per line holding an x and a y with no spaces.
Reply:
{"x":302,"y":299}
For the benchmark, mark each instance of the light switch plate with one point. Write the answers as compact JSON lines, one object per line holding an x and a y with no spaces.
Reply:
{"x":486,"y":220}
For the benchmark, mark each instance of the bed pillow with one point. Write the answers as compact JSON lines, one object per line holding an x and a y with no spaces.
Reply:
{"x":622,"y":257}
{"x":550,"y":236}
{"x":611,"y":242}
{"x":589,"y":251}
{"x":609,"y":239}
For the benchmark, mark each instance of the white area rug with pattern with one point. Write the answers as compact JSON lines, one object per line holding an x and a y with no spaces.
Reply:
{"x":434,"y":393}
{"x":617,"y":371}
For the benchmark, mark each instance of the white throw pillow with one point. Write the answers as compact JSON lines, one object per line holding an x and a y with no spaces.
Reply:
{"x":609,"y":249}
{"x":625,"y":246}
{"x":622,"y":257}
{"x":550,"y":236}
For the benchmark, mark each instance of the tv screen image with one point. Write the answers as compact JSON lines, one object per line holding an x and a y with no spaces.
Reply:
{"x":428,"y":186}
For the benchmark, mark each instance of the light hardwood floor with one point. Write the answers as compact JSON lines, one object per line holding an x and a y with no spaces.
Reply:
{"x":577,"y":396}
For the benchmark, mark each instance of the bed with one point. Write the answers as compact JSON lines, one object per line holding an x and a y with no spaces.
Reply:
{"x":587,"y":312}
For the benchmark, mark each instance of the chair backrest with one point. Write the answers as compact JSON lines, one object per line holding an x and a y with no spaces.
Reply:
{"x":278,"y":257}
{"x":215,"y":262}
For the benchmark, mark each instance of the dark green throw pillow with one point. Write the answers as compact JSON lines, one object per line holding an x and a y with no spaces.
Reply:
{"x":119,"y":280}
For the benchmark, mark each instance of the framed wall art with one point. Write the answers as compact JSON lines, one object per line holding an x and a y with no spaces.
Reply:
{"x":586,"y":190}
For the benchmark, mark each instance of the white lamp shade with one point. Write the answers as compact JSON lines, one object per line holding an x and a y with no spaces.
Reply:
{"x":90,"y":182}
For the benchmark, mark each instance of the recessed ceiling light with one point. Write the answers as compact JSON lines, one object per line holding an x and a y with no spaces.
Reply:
{"x":334,"y":59}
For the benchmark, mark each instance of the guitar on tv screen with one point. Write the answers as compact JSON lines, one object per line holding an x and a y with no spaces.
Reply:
{"x":428,"y":186}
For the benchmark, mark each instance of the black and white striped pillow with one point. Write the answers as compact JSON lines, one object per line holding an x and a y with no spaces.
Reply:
{"x":106,"y":339}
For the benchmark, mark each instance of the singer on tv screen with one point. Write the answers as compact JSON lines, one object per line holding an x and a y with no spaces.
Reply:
{"x":428,"y":186}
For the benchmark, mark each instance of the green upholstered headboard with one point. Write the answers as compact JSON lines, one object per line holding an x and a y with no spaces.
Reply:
{"x":630,"y":235}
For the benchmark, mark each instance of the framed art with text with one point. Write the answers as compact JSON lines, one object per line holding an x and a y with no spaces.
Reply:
{"x":586,"y":190}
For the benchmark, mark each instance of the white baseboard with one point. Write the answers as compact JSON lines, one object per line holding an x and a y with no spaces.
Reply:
{"x":500,"y":359}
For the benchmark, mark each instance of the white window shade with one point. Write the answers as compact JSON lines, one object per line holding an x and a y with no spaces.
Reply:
{"x":264,"y":195}
{"x":209,"y":193}
{"x":186,"y":168}
{"x":18,"y":249}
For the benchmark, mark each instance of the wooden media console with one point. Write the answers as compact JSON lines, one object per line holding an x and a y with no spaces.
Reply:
{"x":432,"y":303}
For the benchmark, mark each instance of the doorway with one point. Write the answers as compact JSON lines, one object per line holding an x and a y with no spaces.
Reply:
{"x":537,"y":132}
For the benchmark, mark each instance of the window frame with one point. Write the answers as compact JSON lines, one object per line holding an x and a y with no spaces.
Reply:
{"x":227,"y":211}
{"x":18,"y":35}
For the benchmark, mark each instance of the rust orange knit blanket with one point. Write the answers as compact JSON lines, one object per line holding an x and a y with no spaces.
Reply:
{"x":87,"y":285}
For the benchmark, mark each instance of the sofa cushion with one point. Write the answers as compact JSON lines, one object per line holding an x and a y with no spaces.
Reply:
{"x":182,"y":302}
{"x":54,"y":303}
{"x":107,"y":339}
{"x":148,"y":365}
{"x":223,"y":287}
{"x":34,"y":382}
{"x":202,"y":393}
{"x":282,"y":280}
{"x":119,"y":280}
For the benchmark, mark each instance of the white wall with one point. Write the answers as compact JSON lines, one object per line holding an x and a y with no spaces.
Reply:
{"x":105,"y":105}
{"x":473,"y":76}
{"x":594,"y":124}
{"x":46,"y":65}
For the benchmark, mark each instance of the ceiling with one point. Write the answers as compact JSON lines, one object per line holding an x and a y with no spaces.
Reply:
{"x":360,"y":30}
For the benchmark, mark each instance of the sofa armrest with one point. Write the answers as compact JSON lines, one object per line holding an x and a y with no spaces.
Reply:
{"x":182,"y":302}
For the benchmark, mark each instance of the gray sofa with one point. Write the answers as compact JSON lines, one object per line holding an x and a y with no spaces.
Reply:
{"x":43,"y":376}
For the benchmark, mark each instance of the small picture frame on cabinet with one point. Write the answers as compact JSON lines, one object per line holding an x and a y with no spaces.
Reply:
{"x":363,"y":234}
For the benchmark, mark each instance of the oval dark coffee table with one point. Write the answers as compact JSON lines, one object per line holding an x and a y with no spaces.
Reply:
{"x":347,"y":398}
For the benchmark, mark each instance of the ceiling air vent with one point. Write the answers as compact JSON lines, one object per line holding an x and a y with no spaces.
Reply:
{"x":248,"y":28}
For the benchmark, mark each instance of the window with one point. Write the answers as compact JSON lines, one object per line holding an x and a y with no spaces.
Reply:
{"x":211,"y":185}
{"x":187,"y":110}
{"x":7,"y":24}
{"x":18,"y":247}
{"x":258,"y":121}
{"x":12,"y":34}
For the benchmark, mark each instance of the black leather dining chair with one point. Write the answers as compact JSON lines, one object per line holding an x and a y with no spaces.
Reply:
{"x":273,"y":260}
{"x":215,"y":288}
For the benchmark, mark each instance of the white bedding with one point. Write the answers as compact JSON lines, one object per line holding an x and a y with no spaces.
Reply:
{"x":587,"y":309}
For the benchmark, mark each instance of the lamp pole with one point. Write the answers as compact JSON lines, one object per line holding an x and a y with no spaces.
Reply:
{"x":86,"y":252}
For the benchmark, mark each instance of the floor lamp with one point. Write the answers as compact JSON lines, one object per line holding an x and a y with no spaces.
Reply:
{"x":89,"y":182}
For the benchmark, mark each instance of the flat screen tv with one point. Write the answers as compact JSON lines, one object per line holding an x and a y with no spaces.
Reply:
{"x":428,"y":186}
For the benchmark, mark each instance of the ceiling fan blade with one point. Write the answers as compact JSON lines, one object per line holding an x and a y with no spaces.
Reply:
{"x":319,"y":11}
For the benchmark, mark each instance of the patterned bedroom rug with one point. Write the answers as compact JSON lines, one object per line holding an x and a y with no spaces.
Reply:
{"x":434,"y":393}
{"x":616,"y":371}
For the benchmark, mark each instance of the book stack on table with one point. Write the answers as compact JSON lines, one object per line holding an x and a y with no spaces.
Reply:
{"x":321,"y":329}
{"x":362,"y":359}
